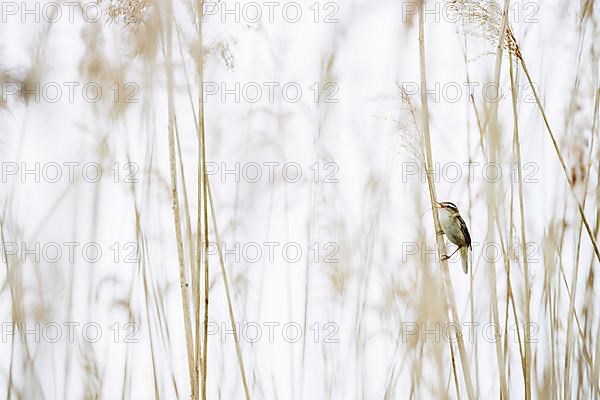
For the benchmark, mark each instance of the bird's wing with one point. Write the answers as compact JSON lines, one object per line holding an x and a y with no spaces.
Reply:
{"x":464,"y":230}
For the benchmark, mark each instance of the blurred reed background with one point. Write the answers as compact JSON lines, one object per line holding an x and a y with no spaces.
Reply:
{"x":366,"y":310}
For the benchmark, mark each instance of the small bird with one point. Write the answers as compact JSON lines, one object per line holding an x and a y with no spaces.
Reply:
{"x":456,"y":230}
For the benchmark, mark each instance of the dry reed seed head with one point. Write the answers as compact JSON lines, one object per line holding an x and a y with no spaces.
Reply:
{"x":578,"y":167}
{"x":14,"y":280}
{"x":511,"y":43}
{"x":93,"y":64}
{"x":222,"y":51}
{"x":25,"y":78}
{"x":410,"y":18}
{"x":198,"y":52}
{"x":339,"y":277}
{"x":144,"y":37}
{"x":142,"y":21}
{"x":93,"y":379}
{"x":550,"y":257}
{"x":410,"y":135}
{"x":8,"y":76}
{"x":218,"y":50}
{"x":226,"y":55}
{"x":483,"y":19}
{"x":431,"y":306}
{"x":130,"y":12}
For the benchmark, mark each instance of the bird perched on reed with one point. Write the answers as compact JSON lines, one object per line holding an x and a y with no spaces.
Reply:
{"x":455,"y":229}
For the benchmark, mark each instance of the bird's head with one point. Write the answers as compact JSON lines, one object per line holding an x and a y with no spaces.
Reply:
{"x":448,"y":207}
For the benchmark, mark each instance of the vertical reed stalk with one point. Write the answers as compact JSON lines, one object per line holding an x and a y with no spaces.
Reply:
{"x":238,"y":349}
{"x":205,"y":220}
{"x":517,"y":146}
{"x":433,"y":198}
{"x":202,"y":213}
{"x":206,"y":274}
{"x":175,"y":199}
{"x":561,"y":159}
{"x":493,"y":137}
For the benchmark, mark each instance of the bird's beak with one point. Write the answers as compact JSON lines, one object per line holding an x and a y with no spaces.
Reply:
{"x":438,"y":205}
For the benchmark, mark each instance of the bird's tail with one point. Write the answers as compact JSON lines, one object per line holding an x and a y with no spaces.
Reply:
{"x":464,"y":257}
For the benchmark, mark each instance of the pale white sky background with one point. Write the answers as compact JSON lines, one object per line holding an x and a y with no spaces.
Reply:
{"x":369,"y":214}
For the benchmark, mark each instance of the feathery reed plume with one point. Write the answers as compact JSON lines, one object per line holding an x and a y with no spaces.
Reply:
{"x":411,"y":139}
{"x":131,"y":12}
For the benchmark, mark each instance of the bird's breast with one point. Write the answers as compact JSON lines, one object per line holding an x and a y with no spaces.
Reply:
{"x":451,"y":229}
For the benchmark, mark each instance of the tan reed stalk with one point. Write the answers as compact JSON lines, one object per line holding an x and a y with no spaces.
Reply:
{"x":200,"y":350}
{"x":569,"y":181}
{"x":482,"y":128}
{"x":493,"y":130}
{"x":238,"y":349}
{"x":560,"y":157}
{"x":194,"y":253}
{"x":469,"y":210}
{"x":202,"y":207}
{"x":142,"y":268}
{"x":507,"y":261}
{"x":517,"y":147}
{"x":198,"y":258}
{"x":586,"y":353}
{"x":596,"y":365}
{"x":575,"y":272}
{"x":436,"y":222}
{"x":206,"y":270}
{"x":187,"y":219}
{"x":175,"y":199}
{"x":454,"y":374}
